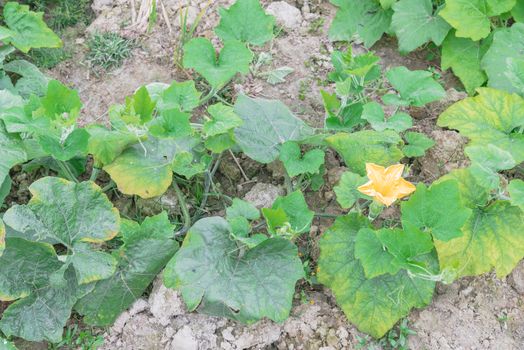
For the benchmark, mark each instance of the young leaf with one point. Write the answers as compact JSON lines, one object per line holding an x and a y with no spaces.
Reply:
{"x":75,"y":145}
{"x":105,"y":145}
{"x":141,"y":105}
{"x":492,"y":238}
{"x":417,"y":144}
{"x":186,"y":165}
{"x":179,"y":95}
{"x":516,"y":191}
{"x":374,"y":114}
{"x":242,"y":208}
{"x":27,"y":29}
{"x":489,"y":118}
{"x":463,"y":56}
{"x":415,"y":23}
{"x":219,"y":143}
{"x":437,"y":210}
{"x":365,"y":18}
{"x":267,"y":125}
{"x":471,"y":18}
{"x":245,"y":21}
{"x":60,"y":100}
{"x":347,"y":189}
{"x":297,"y":213}
{"x":41,"y":309}
{"x":234,"y":58}
{"x":147,"y":249}
{"x":388,"y":251}
{"x":507,"y":48}
{"x":417,"y":87}
{"x":296,"y":163}
{"x":69,"y":213}
{"x":146,"y":169}
{"x":367,"y":302}
{"x":216,"y":279}
{"x":223,"y":119}
{"x":367,"y":146}
{"x":171,"y":123}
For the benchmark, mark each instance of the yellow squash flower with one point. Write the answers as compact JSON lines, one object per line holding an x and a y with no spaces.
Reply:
{"x":386,"y":185}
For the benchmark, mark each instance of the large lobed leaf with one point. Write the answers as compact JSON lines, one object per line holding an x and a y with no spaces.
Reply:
{"x":267,"y":125}
{"x":13,"y":152}
{"x":374,"y":305}
{"x":245,"y":21}
{"x":415,"y":23}
{"x":502,"y":58}
{"x":365,"y":18}
{"x":27,"y":29}
{"x":215,"y":278}
{"x":489,"y":118}
{"x":147,"y":249}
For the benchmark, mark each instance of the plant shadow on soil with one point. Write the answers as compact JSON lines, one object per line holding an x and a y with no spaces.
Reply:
{"x":473,"y":313}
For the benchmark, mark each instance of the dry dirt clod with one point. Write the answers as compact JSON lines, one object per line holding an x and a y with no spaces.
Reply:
{"x":165,"y":303}
{"x":263,"y":195}
{"x":286,"y":15}
{"x":516,"y":279}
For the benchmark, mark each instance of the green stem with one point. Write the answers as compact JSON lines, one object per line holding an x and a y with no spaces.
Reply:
{"x":209,"y":96}
{"x":94,"y":174}
{"x":65,"y":169}
{"x":183,"y":206}
{"x":109,"y":186}
{"x":326,"y":215}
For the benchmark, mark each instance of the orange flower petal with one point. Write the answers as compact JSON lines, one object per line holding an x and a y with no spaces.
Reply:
{"x":405,"y":188}
{"x":387,"y":201}
{"x":394,"y":172}
{"x":367,"y":189}
{"x":375,"y":173}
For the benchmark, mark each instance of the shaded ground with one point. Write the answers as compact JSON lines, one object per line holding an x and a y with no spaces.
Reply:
{"x":477,"y":313}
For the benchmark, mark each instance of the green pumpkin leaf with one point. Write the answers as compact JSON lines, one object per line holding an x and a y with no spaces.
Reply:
{"x":367,"y":146}
{"x":463,"y":56}
{"x":70,"y":214}
{"x":506,"y":50}
{"x":216,"y":279}
{"x":417,"y":87}
{"x":487,"y":161}
{"x":184,"y":164}
{"x":59,"y":101}
{"x":31,"y":81}
{"x":388,"y":251}
{"x":472,"y":193}
{"x":41,"y":309}
{"x":437,"y":210}
{"x":296,"y":163}
{"x":245,"y":21}
{"x":297,"y":213}
{"x":220,"y":143}
{"x":242,"y":208}
{"x":27,"y":29}
{"x":374,"y":114}
{"x":515,"y":74}
{"x":146,"y":169}
{"x":171,"y":123}
{"x":223,"y":119}
{"x":416,"y":23}
{"x":140,"y":104}
{"x":6,"y":345}
{"x":2,"y":237}
{"x":267,"y":125}
{"x":374,"y":305}
{"x":489,"y":118}
{"x":416,"y":144}
{"x":365,"y":18}
{"x":105,"y":145}
{"x":471,"y":18}
{"x":234,"y":58}
{"x":347,"y":189}
{"x":516,"y":191}
{"x":13,"y":152}
{"x":5,"y":189}
{"x":518,"y":11}
{"x":492,"y":238}
{"x":75,"y":145}
{"x":387,"y":3}
{"x":179,"y":95}
{"x":147,"y":249}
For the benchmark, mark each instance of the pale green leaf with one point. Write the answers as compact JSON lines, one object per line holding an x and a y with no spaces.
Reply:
{"x":178,"y":95}
{"x":223,"y":119}
{"x":296,"y":163}
{"x":417,"y":87}
{"x":297,"y":213}
{"x":416,"y":144}
{"x":242,"y":208}
{"x":516,"y":191}
{"x":347,"y":189}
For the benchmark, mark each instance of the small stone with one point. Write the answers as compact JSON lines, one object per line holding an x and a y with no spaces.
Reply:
{"x":285,"y":14}
{"x":516,"y":279}
{"x":263,"y":195}
{"x":138,"y":306}
{"x":184,"y":340}
{"x":165,"y":303}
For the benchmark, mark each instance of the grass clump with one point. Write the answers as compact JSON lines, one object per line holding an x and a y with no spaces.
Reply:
{"x":48,"y":58}
{"x":108,"y":50}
